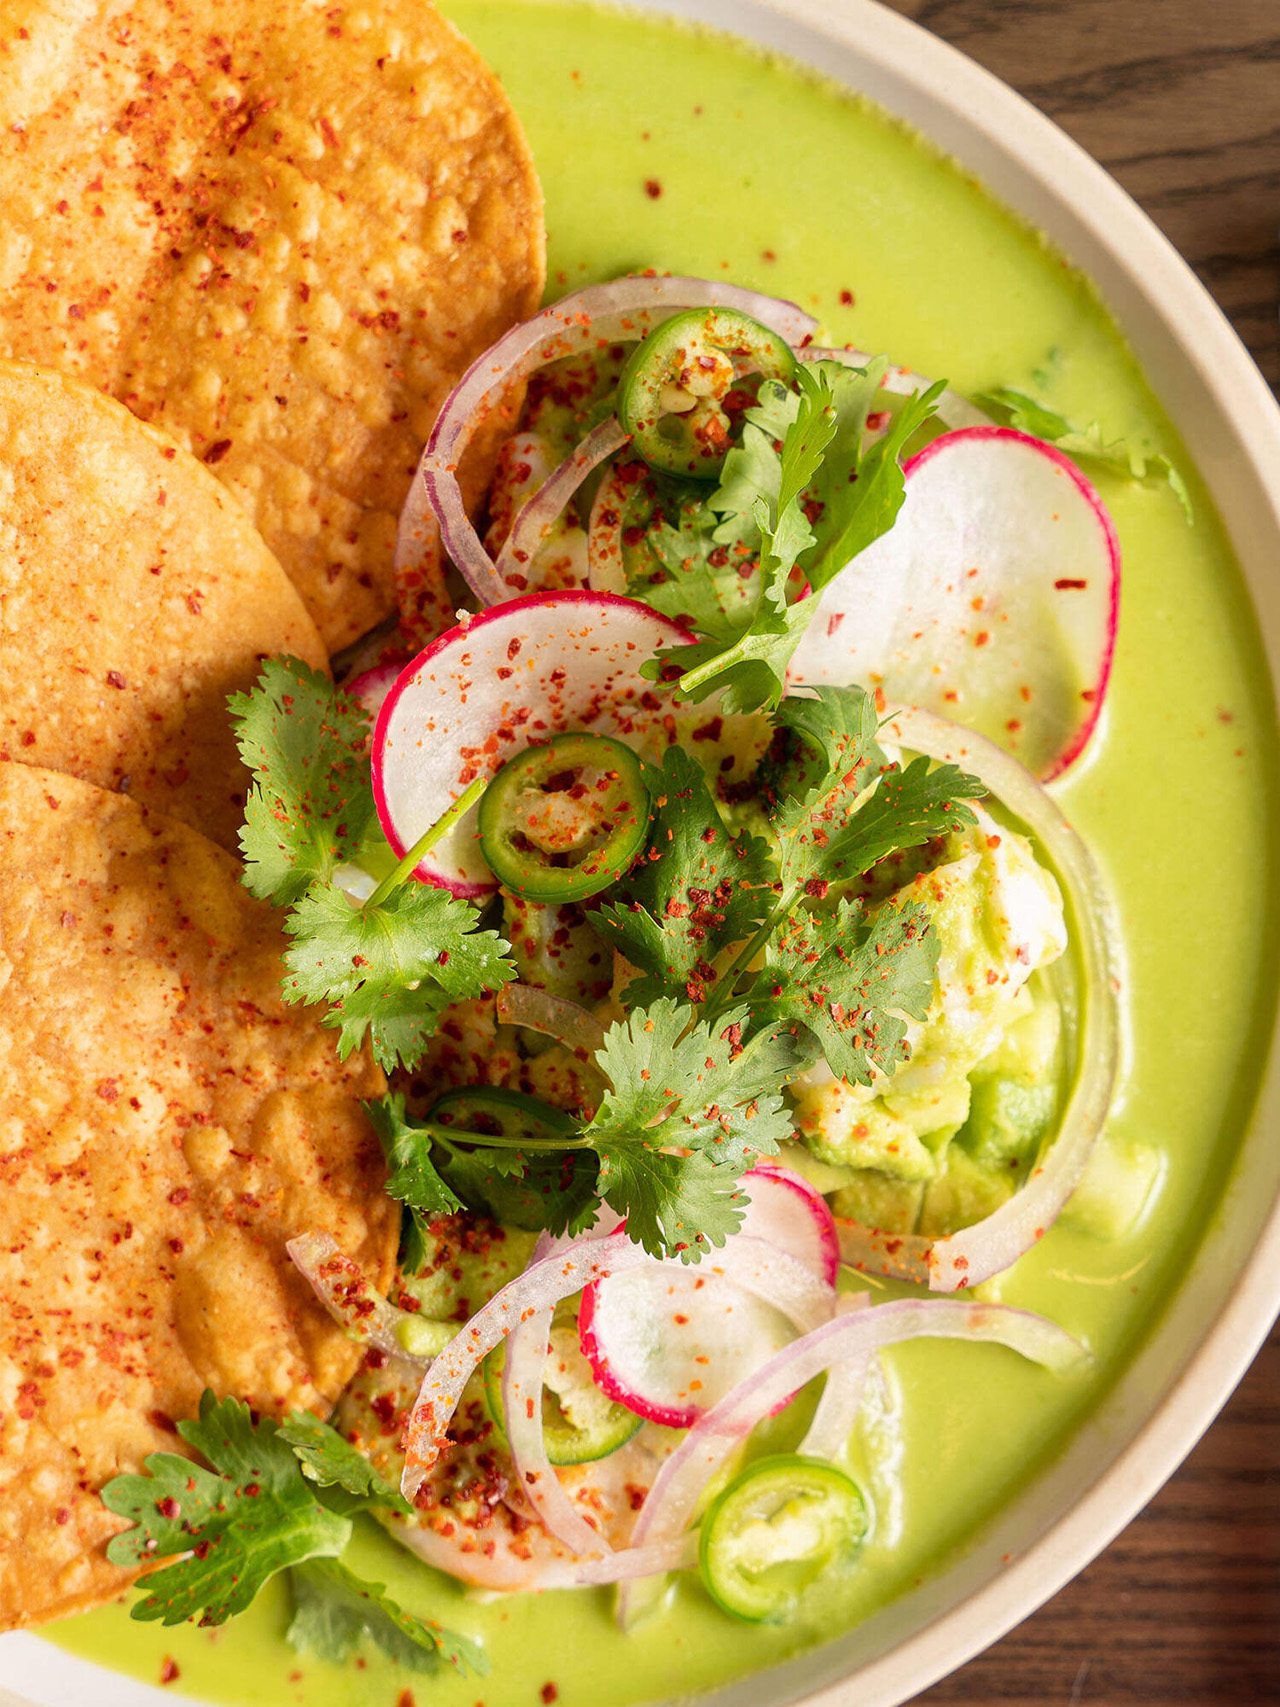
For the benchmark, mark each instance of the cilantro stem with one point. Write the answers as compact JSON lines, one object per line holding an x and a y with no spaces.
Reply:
{"x":425,"y":842}
{"x":723,"y":996}
{"x":454,"y":1136}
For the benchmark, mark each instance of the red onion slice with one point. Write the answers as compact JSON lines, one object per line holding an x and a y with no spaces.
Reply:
{"x":350,"y":1297}
{"x":750,"y":1263}
{"x":954,"y":411}
{"x":855,"y":1336}
{"x":837,"y":1409}
{"x":543,"y":510}
{"x":997,"y":1241}
{"x":600,"y":315}
{"x":522,"y":1411}
{"x":524,"y":1004}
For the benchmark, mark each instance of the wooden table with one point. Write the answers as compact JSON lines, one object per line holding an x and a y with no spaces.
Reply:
{"x":1180,"y":100}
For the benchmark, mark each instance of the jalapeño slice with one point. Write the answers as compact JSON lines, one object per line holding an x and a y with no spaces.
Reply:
{"x":674,"y":389}
{"x":778,"y":1527}
{"x":564,"y":820}
{"x":579,"y":1422}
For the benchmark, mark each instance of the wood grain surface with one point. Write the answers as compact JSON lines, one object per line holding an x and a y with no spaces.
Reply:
{"x":1180,"y":100}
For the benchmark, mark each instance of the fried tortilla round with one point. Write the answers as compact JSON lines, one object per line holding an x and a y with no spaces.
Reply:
{"x":134,"y":596}
{"x":280,"y":231}
{"x":166,"y":1123}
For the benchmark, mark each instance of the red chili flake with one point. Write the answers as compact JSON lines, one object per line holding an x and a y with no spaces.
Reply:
{"x":169,"y":1507}
{"x":846,"y":298}
{"x":550,"y":1693}
{"x":176,"y":1246}
{"x":709,"y":731}
{"x":653,"y":189}
{"x":108,"y":1090}
{"x":405,"y":1699}
{"x":169,"y":1672}
{"x":1066,"y":585}
{"x":217,"y":451}
{"x":115,"y":679}
{"x":709,"y":834}
{"x":981,"y":638}
{"x":28,"y":737}
{"x":817,"y":887}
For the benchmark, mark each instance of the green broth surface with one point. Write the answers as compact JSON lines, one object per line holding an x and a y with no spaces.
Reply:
{"x":661,"y":146}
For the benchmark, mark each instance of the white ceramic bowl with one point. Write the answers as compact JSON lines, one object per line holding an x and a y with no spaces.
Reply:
{"x":1214,"y":1324}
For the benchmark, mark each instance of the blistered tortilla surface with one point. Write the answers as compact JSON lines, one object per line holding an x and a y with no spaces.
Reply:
{"x":280,"y":231}
{"x":134,"y":596}
{"x":166,"y":1123}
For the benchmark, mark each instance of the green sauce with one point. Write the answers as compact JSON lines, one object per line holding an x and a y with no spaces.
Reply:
{"x":688,"y":152}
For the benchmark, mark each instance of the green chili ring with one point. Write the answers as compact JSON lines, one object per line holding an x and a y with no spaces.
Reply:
{"x":778,"y":1527}
{"x":692,"y":357}
{"x":565,"y":819}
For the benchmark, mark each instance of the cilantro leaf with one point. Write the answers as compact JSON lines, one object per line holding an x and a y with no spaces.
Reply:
{"x":861,"y":498}
{"x":311,"y":801}
{"x":1090,"y":444}
{"x":337,"y":1616}
{"x":848,"y":976}
{"x":238,"y":1524}
{"x":707,"y":888}
{"x":840,"y":725}
{"x":753,"y":467}
{"x":698,"y":581}
{"x":330,"y":1461}
{"x":413,"y":1179}
{"x":752,"y":672}
{"x":391,"y":967}
{"x":680,"y":1083}
{"x":829,"y":838}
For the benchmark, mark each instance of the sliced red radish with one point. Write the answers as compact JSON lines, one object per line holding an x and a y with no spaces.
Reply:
{"x":788,"y":1212}
{"x":992,"y":600}
{"x":669,"y":1342}
{"x":517,"y":673}
{"x":371,"y":687}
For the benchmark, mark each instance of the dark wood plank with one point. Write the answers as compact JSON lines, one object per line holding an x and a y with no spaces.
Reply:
{"x":1180,"y":100}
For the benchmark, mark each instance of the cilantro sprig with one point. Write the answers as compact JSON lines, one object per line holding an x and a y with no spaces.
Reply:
{"x":389,"y":965}
{"x":269,"y":1497}
{"x":756,"y":955}
{"x":802,"y":491}
{"x":1088,"y":444}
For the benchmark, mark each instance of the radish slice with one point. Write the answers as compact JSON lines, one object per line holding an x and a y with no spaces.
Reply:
{"x":996,"y":1242}
{"x":992,"y":600}
{"x":517,"y":673}
{"x":669,"y":1342}
{"x":372,"y":687}
{"x":756,"y":1267}
{"x":854,"y":1336}
{"x":669,"y":1345}
{"x":621,"y":311}
{"x":788,"y":1212}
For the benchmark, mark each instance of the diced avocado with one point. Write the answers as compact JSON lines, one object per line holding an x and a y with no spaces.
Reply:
{"x":1008,"y":1118}
{"x":842,"y":1124}
{"x":1029,"y":1047}
{"x":876,"y":1200}
{"x":964,"y":1192}
{"x":1118,"y":1183}
{"x":822,"y":1176}
{"x":935,"y":1115}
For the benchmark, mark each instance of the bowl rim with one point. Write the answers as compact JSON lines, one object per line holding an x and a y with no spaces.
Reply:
{"x":1230,"y":421}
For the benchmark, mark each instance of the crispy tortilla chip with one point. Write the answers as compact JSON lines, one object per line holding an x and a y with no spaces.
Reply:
{"x":165,"y":1124}
{"x":280,"y":231}
{"x":134,"y":596}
